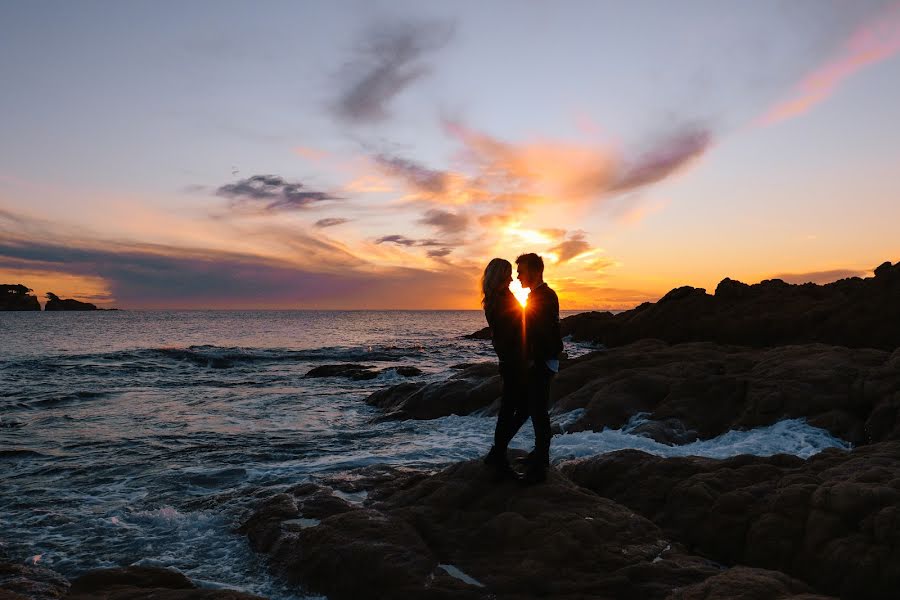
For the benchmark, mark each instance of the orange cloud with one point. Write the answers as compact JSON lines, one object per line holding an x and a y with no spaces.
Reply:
{"x":873,"y":42}
{"x":310,"y":154}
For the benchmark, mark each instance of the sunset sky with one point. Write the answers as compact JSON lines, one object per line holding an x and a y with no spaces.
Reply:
{"x":378,"y":154}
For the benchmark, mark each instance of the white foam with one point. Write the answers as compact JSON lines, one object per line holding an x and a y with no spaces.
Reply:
{"x":791,"y":436}
{"x":453,"y":571}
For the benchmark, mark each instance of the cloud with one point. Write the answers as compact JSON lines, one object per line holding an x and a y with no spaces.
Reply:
{"x":667,"y":157}
{"x":821,"y":277}
{"x":331,"y":222}
{"x":551,"y":171}
{"x":141,"y":275}
{"x":874,"y":41}
{"x":445,"y":221}
{"x":439,"y":253}
{"x":415,"y":175}
{"x":572,"y":247}
{"x":271,"y":193}
{"x":402,"y":240}
{"x":389,"y":58}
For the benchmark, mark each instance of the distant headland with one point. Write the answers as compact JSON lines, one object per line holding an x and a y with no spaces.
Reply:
{"x":17,"y":297}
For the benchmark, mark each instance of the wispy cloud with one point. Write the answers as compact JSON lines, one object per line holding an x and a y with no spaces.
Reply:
{"x":576,"y":245}
{"x":402,"y":240}
{"x":413,"y":174}
{"x":331,"y":222}
{"x":873,"y":42}
{"x":389,"y":58}
{"x":445,"y":221}
{"x":271,"y":193}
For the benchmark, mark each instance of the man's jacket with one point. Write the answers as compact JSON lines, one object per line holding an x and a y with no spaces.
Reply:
{"x":543,"y":340}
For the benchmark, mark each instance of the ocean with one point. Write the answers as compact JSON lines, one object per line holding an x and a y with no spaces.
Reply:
{"x":143,"y":437}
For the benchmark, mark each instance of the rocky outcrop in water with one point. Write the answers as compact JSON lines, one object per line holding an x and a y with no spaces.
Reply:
{"x":859,"y":313}
{"x":459,"y":534}
{"x":832,"y":520}
{"x":55,"y":303}
{"x":360,"y":372}
{"x":25,"y":582}
{"x":472,"y":388}
{"x":17,"y":297}
{"x":692,"y":390}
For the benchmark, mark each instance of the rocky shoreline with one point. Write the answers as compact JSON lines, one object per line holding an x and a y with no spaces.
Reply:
{"x":623,"y":525}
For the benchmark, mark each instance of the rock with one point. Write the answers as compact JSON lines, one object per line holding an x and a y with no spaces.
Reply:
{"x":16,"y":297}
{"x":744,"y":583}
{"x":854,"y":312}
{"x":55,"y":303}
{"x":123,"y":583}
{"x":472,"y":388}
{"x":702,"y":390}
{"x":349,"y":370}
{"x":359,"y":372}
{"x":31,"y":582}
{"x":832,"y":521}
{"x":481,"y":334}
{"x":459,"y":534}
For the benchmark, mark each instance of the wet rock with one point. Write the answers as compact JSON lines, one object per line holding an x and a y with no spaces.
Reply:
{"x":29,"y":581}
{"x":458,"y":533}
{"x":472,"y":388}
{"x":832,"y":521}
{"x":359,"y":372}
{"x":124,"y":583}
{"x":854,"y":312}
{"x":744,"y":583}
{"x":17,"y":297}
{"x":708,"y":389}
{"x":349,"y":370}
{"x":56,"y":304}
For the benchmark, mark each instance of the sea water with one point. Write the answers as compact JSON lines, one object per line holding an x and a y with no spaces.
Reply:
{"x":141,"y":437}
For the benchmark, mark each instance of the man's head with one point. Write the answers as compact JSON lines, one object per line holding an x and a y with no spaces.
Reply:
{"x":531,"y":270}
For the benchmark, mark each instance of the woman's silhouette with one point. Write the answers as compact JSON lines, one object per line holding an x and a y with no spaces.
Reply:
{"x":505,"y":318}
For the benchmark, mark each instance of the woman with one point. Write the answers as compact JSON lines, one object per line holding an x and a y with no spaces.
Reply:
{"x":505,"y":318}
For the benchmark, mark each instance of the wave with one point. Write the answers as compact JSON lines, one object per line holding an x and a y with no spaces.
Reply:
{"x":223,"y":357}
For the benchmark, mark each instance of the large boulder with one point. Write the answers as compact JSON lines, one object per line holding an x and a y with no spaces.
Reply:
{"x":832,"y":521}
{"x":17,"y":297}
{"x":854,"y":312}
{"x":458,"y":533}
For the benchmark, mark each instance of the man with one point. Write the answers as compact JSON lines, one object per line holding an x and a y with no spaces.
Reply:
{"x":543,"y":343}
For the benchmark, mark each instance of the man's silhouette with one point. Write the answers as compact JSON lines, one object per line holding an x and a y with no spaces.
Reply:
{"x":543,"y":343}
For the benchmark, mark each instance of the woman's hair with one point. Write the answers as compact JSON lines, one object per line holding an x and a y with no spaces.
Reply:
{"x":494,"y":280}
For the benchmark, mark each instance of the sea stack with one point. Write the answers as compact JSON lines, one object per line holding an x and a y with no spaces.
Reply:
{"x":17,"y":297}
{"x":55,"y":303}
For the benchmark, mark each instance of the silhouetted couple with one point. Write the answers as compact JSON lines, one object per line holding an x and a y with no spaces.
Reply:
{"x":528,"y":342}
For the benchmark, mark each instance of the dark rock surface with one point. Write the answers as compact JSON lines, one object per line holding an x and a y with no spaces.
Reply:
{"x":832,"y":521}
{"x":690,"y":391}
{"x":19,"y":582}
{"x":859,"y":313}
{"x":55,"y":303}
{"x":359,"y":372}
{"x":471,"y":388}
{"x":27,"y":581}
{"x":554,"y":540}
{"x":710,"y":389}
{"x":17,"y":297}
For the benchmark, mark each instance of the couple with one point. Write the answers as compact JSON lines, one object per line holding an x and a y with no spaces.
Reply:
{"x":528,"y":342}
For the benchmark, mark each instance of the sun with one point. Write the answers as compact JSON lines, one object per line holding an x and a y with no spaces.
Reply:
{"x":519,"y":292}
